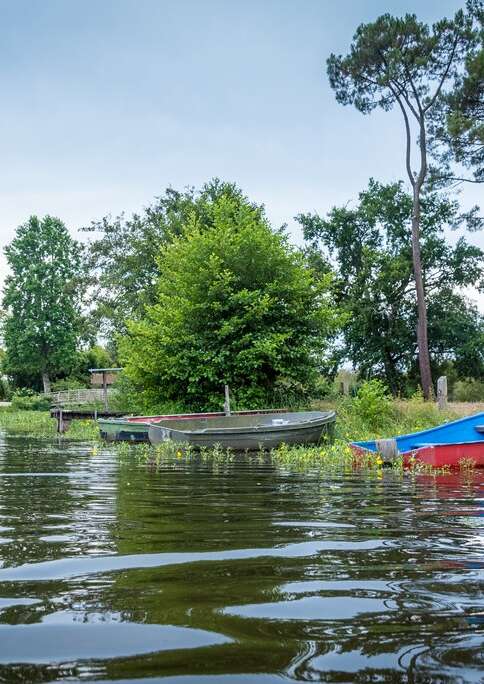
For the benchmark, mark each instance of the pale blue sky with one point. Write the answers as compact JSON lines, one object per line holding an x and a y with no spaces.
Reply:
{"x":104,"y":103}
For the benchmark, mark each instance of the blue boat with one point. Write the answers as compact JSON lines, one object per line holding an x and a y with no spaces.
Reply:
{"x":449,"y":444}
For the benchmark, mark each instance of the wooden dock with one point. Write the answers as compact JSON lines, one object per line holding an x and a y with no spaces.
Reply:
{"x":64,"y":417}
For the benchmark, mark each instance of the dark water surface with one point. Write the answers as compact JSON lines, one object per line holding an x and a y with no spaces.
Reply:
{"x":234,"y":571}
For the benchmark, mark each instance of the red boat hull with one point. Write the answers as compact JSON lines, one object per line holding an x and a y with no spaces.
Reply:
{"x":451,"y":455}
{"x":441,"y":455}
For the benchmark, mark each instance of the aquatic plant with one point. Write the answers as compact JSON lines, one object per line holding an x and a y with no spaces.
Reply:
{"x":39,"y":424}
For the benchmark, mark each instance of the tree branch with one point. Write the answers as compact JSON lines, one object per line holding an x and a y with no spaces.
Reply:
{"x":408,"y":138}
{"x":444,"y":76}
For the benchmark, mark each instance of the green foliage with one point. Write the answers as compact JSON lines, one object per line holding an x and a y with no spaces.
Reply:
{"x":27,"y":400}
{"x":94,"y":357}
{"x":68,"y":383}
{"x":469,"y":389}
{"x":458,"y":130}
{"x":123,"y":261}
{"x":126,"y":397}
{"x":397,"y":58}
{"x":39,"y":424}
{"x":235,"y":304}
{"x":402,"y":62}
{"x":373,"y":404}
{"x":42,"y":296}
{"x":433,"y":74}
{"x":368,"y":246}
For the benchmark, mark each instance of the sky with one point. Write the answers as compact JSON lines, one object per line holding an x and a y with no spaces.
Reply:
{"x":106,"y":103}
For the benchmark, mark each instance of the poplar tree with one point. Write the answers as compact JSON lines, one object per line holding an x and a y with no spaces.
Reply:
{"x":42,"y":300}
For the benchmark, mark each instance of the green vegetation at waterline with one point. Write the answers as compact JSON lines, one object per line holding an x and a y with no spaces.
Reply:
{"x":370,"y":415}
{"x":39,"y":424}
{"x":370,"y":418}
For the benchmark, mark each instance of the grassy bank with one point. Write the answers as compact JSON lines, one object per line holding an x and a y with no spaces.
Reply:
{"x":39,"y":424}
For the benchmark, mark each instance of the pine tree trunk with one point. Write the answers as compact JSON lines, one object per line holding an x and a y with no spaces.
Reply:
{"x":422,"y":336}
{"x":46,"y":382}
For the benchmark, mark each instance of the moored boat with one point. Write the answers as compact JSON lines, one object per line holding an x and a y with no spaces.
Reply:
{"x":451,"y":444}
{"x":135,"y":428}
{"x":246,"y":432}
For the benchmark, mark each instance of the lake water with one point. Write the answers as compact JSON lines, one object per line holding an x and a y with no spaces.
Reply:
{"x":234,"y":571}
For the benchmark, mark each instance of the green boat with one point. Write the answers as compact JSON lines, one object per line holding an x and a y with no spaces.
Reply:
{"x":135,"y":428}
{"x":246,"y":432}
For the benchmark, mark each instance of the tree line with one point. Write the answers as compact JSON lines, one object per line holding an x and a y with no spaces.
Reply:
{"x":199,"y":290}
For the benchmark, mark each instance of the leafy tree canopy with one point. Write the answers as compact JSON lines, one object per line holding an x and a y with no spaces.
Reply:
{"x":368,"y":246}
{"x":42,"y":297}
{"x":122,"y":257}
{"x":404,"y":62}
{"x":234,"y":304}
{"x":458,"y":129}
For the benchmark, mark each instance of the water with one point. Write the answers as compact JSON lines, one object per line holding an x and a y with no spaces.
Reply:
{"x":234,"y":571}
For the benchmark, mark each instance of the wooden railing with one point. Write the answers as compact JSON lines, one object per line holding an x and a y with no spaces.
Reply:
{"x":78,"y":396}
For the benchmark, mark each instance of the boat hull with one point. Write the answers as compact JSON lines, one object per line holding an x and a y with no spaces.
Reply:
{"x":247,"y":433}
{"x":135,"y":428}
{"x":440,"y":455}
{"x":456,"y":444}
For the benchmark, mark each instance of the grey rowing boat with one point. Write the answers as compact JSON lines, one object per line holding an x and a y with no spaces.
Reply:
{"x":246,"y":432}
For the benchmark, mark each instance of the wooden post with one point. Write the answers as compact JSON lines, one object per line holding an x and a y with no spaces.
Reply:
{"x":442,"y":392}
{"x":105,"y":391}
{"x":227,"y":401}
{"x":62,"y":423}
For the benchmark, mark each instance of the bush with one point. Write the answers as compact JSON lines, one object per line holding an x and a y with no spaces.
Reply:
{"x":236,"y":305}
{"x":373,"y":404}
{"x":127,"y":397}
{"x":69,"y":383}
{"x":27,"y":400}
{"x":468,"y":390}
{"x":324,"y":388}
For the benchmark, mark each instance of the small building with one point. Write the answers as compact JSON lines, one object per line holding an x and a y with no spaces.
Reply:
{"x":103,"y":377}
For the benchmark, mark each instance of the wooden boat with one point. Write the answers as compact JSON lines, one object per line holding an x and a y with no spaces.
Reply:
{"x":452,"y":444}
{"x":246,"y":432}
{"x":135,"y":428}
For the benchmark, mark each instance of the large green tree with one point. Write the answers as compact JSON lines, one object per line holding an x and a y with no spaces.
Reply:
{"x":42,"y":298}
{"x":406,"y":63}
{"x":235,"y":304}
{"x":368,"y":247}
{"x":122,"y":256}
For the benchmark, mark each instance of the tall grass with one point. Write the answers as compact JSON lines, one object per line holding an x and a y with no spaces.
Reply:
{"x":39,"y":424}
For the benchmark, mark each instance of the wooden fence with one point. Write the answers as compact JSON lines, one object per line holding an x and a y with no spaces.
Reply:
{"x":78,"y":396}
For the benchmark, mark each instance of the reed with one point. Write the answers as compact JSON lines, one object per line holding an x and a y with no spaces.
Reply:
{"x":39,"y":424}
